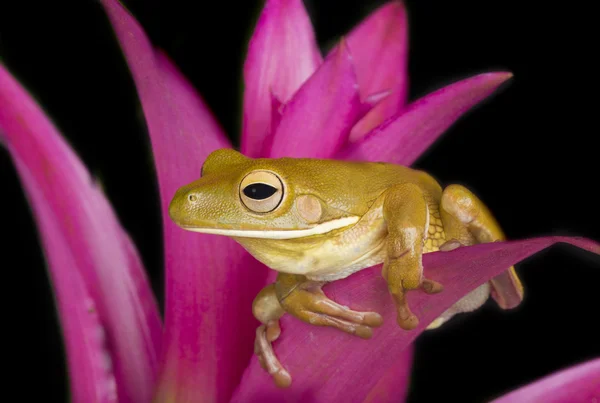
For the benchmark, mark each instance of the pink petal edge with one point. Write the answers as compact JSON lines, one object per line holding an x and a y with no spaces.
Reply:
{"x":271,"y":68}
{"x":208,"y":278}
{"x":324,"y":363}
{"x":379,"y":45}
{"x":403,"y":138}
{"x":580,"y":383}
{"x":83,"y":334}
{"x":317,"y":120}
{"x":98,"y":278}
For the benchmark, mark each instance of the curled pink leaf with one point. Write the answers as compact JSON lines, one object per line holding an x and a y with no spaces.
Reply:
{"x":317,"y":120}
{"x":580,"y":383}
{"x":404,"y":137}
{"x":282,"y":54}
{"x":325,"y":363}
{"x":98,"y":278}
{"x":208,"y":278}
{"x":379,"y":45}
{"x":87,"y":355}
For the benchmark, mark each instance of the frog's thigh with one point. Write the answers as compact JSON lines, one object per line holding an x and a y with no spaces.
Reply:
{"x":469,"y":221}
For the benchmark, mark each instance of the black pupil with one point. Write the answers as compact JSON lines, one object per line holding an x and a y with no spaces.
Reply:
{"x":259,"y":191}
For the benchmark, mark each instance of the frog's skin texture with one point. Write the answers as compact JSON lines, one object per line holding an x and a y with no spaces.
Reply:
{"x":316,"y":221}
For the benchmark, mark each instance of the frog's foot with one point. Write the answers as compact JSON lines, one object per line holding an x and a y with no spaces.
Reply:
{"x":430,"y":287}
{"x":406,"y":319}
{"x":311,"y":305}
{"x":263,"y":348}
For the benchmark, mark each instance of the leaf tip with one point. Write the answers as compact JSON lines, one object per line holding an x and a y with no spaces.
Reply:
{"x":497,"y":78}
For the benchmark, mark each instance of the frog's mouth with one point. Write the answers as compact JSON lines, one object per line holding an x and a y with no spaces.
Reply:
{"x":318,"y":229}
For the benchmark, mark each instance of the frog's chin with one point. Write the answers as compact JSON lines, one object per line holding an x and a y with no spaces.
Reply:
{"x":318,"y":229}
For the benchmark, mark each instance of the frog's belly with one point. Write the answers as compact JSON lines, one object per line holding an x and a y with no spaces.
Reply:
{"x":326,"y":258}
{"x":375,"y":253}
{"x":355,"y":249}
{"x":359,"y":247}
{"x":342,"y":268}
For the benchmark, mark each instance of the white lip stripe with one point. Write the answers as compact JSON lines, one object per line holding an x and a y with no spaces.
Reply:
{"x":289,"y":234}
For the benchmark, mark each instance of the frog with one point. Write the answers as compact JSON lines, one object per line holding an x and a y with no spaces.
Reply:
{"x":315,"y":221}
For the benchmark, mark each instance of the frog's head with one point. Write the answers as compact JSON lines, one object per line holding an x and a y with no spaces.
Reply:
{"x":259,"y":198}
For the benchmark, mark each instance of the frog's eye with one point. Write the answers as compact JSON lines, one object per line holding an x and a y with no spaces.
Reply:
{"x":261,"y":191}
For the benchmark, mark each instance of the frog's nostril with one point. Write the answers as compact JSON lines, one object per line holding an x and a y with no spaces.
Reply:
{"x":192,"y":198}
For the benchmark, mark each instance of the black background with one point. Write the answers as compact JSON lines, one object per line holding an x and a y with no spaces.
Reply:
{"x":529,"y":152}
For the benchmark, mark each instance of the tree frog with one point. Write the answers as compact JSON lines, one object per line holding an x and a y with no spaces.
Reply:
{"x":315,"y":221}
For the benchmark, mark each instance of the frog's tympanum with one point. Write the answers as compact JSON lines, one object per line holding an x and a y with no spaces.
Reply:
{"x":316,"y":221}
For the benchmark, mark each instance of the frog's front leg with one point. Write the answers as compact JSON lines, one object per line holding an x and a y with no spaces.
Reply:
{"x":305,"y":300}
{"x":406,"y":215}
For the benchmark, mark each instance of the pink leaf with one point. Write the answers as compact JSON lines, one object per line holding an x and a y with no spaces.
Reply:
{"x":403,"y":138}
{"x":317,"y":120}
{"x":379,"y":45}
{"x":97,"y":275}
{"x":325,"y":363}
{"x":282,"y":54}
{"x":393,"y":385}
{"x":276,"y":113}
{"x":208,"y":278}
{"x":580,"y":383}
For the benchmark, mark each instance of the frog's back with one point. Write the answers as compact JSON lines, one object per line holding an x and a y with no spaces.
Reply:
{"x":354,"y":186}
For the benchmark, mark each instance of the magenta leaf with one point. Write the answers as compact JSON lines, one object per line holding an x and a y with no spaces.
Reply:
{"x":325,"y":363}
{"x":282,"y":54}
{"x":317,"y":120}
{"x":98,"y":278}
{"x":404,"y":137}
{"x":379,"y":45}
{"x":580,"y":383}
{"x":208,"y":336}
{"x":87,"y":356}
{"x":277,"y":108}
{"x":393,"y":385}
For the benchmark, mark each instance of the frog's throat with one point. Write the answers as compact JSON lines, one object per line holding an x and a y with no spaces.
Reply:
{"x":322,"y":228}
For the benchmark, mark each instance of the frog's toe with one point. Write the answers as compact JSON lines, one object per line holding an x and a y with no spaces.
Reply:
{"x":273,"y":330}
{"x":406,"y":319}
{"x":362,"y":331}
{"x":314,"y":307}
{"x":431,"y":286}
{"x":450,"y":245}
{"x":265,"y":334}
{"x":372,"y":319}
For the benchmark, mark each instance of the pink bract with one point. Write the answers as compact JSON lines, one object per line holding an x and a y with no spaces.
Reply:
{"x":348,"y":105}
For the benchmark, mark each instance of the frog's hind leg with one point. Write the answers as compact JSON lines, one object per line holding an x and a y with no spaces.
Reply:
{"x":305,"y":300}
{"x":266,"y":309}
{"x":467,"y":220}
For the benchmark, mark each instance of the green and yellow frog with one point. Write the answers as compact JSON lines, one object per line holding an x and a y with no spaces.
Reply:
{"x":315,"y":221}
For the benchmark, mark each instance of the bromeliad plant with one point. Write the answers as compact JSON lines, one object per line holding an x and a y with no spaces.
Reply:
{"x":351,"y":104}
